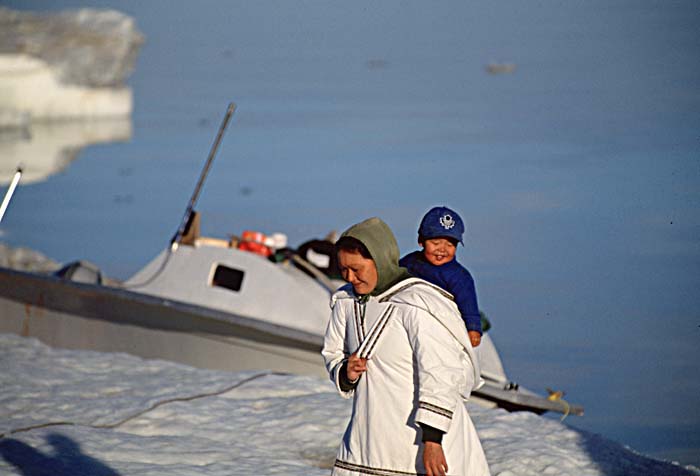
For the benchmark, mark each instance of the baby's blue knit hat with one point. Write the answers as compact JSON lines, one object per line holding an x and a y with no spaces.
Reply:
{"x":441,"y":222}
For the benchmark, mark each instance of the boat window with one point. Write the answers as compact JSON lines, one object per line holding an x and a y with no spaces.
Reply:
{"x":228,"y":278}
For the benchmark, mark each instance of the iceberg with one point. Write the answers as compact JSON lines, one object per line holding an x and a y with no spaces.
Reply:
{"x":71,"y":64}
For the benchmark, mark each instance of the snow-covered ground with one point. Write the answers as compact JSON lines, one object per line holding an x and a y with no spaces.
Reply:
{"x":78,"y":412}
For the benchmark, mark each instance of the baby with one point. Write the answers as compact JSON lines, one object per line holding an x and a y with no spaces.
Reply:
{"x":439,"y":232}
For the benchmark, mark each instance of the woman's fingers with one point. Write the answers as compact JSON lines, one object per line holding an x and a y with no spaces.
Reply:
{"x":434,"y":459}
{"x":356,"y":367}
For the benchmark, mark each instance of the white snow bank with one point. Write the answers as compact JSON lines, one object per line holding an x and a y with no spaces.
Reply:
{"x":25,"y":259}
{"x":78,"y":412}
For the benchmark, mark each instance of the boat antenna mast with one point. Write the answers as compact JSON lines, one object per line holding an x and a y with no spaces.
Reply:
{"x":189,"y":213}
{"x":10,"y":192}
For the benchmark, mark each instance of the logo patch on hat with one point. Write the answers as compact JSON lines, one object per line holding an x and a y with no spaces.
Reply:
{"x":447,"y":221}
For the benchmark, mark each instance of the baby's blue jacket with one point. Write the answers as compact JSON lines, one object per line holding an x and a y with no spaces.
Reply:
{"x":453,"y":278}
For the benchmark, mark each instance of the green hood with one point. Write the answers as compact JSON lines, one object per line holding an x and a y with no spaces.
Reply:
{"x":381,"y":244}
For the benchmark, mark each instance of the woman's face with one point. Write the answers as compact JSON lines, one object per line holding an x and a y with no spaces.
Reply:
{"x":358,"y":271}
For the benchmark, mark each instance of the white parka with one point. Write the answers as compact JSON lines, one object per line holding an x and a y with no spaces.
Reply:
{"x":421,"y":367}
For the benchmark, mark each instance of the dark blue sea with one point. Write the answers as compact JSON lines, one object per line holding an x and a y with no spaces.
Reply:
{"x":577,"y":173}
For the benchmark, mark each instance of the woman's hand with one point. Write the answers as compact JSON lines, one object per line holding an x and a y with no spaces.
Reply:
{"x":434,"y":459}
{"x":475,"y":338}
{"x":356,"y":367}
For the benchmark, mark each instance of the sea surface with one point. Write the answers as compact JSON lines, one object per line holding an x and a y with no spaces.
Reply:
{"x":578,"y":173}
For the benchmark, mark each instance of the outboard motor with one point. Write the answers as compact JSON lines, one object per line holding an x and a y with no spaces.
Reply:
{"x":80,"y":272}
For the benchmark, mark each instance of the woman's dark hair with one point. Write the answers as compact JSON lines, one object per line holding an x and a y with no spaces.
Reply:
{"x":352,"y":245}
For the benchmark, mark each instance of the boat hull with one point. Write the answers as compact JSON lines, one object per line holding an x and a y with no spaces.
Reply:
{"x":91,"y":317}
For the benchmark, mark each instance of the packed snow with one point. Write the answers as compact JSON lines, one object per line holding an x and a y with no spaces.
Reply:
{"x":66,"y":412}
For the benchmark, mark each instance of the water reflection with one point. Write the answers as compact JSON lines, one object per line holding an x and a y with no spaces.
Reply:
{"x":46,"y":148}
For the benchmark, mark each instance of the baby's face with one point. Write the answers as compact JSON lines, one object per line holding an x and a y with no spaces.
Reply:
{"x":439,"y":251}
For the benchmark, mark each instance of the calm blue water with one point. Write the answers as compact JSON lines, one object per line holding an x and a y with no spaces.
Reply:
{"x":578,"y":175}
